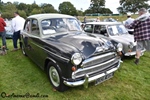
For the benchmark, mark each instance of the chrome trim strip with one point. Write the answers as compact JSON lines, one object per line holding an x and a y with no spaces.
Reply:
{"x":88,"y":80}
{"x":133,"y":53}
{"x":97,"y":57}
{"x":93,"y":67}
{"x":50,"y":52}
{"x":83,"y":69}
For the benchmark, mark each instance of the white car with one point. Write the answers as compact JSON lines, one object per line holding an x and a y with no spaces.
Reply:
{"x":9,"y":33}
{"x":116,"y":32}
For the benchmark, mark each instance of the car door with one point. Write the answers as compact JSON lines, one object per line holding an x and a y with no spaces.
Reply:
{"x":34,"y":42}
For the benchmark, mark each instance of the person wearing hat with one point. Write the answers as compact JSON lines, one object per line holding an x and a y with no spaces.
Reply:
{"x":2,"y":31}
{"x":17,"y":25}
{"x":128,"y":22}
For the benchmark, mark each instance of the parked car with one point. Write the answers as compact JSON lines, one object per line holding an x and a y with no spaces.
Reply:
{"x":131,"y":31}
{"x":69,"y":56}
{"x":88,"y":20}
{"x":9,"y":33}
{"x":109,"y":20}
{"x":115,"y":32}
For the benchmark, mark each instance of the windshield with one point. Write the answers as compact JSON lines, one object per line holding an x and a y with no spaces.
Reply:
{"x":117,"y":29}
{"x":57,"y":25}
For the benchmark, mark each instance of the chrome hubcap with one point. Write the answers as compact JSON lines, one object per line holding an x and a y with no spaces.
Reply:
{"x":54,"y":76}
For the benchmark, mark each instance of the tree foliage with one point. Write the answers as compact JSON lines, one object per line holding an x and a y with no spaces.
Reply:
{"x":48,"y":8}
{"x":1,"y":4}
{"x":67,"y":8}
{"x":132,"y":5}
{"x":8,"y":9}
{"x":96,"y":5}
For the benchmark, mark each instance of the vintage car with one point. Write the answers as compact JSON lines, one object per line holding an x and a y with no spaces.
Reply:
{"x":70,"y":57}
{"x":115,"y":32}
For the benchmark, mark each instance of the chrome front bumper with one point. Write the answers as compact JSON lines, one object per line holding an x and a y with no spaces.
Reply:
{"x":134,"y":53}
{"x":90,"y":79}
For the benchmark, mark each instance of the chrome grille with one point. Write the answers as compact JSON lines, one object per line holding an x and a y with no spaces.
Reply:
{"x":96,"y":65}
{"x":98,"y":61}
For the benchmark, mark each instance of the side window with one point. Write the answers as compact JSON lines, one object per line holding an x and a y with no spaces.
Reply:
{"x":35,"y":28}
{"x":88,"y":28}
{"x":103,"y":30}
{"x":97,"y":29}
{"x":100,"y":29}
{"x":27,"y":26}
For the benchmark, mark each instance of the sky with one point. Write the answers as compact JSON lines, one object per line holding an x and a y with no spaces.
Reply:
{"x":78,"y":4}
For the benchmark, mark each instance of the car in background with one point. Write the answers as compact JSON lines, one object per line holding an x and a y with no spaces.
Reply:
{"x":109,"y":20}
{"x":89,"y":20}
{"x":115,"y":32}
{"x":9,"y":33}
{"x":69,"y":56}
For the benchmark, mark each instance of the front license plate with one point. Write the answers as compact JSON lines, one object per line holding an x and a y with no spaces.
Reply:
{"x":102,"y":79}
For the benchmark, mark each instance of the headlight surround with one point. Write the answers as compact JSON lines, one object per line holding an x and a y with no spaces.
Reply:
{"x":119,"y":47}
{"x":131,"y":45}
{"x":76,"y":58}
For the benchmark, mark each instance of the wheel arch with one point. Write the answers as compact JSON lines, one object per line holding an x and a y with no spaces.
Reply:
{"x":50,"y":60}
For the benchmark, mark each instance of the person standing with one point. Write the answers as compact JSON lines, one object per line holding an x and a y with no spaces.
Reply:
{"x":141,"y":26}
{"x":128,"y":22}
{"x":17,"y":25}
{"x":84,"y":20}
{"x":2,"y":31}
{"x":97,"y":19}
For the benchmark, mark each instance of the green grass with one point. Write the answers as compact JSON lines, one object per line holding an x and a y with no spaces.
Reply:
{"x":19,"y":75}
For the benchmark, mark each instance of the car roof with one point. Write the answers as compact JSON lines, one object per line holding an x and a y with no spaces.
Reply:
{"x":50,"y":15}
{"x":104,"y":23}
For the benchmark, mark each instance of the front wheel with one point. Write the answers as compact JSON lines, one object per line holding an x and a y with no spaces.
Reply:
{"x":55,"y":77}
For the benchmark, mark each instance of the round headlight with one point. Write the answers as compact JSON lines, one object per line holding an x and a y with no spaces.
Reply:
{"x":119,"y":47}
{"x":76,"y":58}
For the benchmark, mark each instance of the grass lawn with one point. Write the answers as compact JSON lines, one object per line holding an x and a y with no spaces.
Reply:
{"x":20,"y":76}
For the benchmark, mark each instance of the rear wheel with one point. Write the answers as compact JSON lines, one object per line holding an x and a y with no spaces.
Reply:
{"x":55,"y":77}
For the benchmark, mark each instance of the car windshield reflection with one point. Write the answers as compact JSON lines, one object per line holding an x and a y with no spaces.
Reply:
{"x":117,"y":30}
{"x":58,"y":25}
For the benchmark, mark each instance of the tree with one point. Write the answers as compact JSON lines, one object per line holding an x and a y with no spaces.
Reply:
{"x":29,"y":9}
{"x":35,"y":11}
{"x":1,"y":4}
{"x":121,"y":10}
{"x":132,"y":5}
{"x":16,"y":3}
{"x":88,"y":11}
{"x":9,"y":9}
{"x":96,"y":5}
{"x":79,"y":12}
{"x":67,"y":8}
{"x":22,"y":13}
{"x":106,"y":11}
{"x":22,"y":6}
{"x":48,"y":8}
